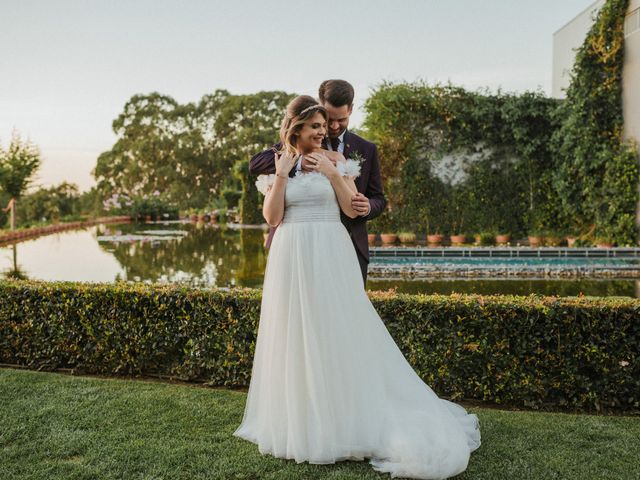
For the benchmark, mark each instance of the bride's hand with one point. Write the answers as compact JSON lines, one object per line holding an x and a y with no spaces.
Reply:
{"x":320,"y":162}
{"x":284,"y":163}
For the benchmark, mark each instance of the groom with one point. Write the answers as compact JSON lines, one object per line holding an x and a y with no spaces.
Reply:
{"x":337,"y":98}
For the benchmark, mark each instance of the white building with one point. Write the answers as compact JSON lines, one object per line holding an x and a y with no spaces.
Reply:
{"x":572,"y":35}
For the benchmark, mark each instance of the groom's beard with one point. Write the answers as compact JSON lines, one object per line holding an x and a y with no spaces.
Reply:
{"x":335,"y":135}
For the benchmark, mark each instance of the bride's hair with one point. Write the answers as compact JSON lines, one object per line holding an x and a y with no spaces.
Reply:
{"x":299,"y":110}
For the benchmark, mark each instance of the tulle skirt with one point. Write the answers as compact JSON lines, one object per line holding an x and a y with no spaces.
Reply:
{"x":329,"y":382}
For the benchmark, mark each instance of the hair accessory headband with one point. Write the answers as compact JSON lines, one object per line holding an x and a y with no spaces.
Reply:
{"x":312,"y":107}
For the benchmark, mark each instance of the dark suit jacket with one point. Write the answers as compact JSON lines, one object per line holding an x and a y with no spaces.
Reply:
{"x":368,"y":183}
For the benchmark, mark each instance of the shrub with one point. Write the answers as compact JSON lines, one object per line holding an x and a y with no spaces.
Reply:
{"x":572,"y":353}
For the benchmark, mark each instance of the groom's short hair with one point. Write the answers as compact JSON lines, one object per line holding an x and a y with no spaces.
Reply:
{"x":336,"y":92}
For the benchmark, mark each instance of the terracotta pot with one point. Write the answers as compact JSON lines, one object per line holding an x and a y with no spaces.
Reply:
{"x":534,"y":241}
{"x":571,"y":241}
{"x":604,"y":245}
{"x":388,"y":238}
{"x":435,"y":239}
{"x":371,"y":238}
{"x":458,"y":239}
{"x":407,"y":237}
{"x":552,"y":241}
{"x":503,"y":239}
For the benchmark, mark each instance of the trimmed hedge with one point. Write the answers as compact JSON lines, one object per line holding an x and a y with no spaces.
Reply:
{"x":574,"y":353}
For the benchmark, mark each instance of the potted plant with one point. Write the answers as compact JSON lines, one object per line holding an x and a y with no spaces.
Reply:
{"x":458,"y":239}
{"x":388,"y":238}
{"x":386,"y":225}
{"x":603,"y":237}
{"x":503,"y":238}
{"x":535,"y":238}
{"x":552,"y":239}
{"x":571,"y":240}
{"x":457,"y":220}
{"x":604,"y":242}
{"x":373,"y":229}
{"x":435,"y":239}
{"x":487,"y":238}
{"x":407,"y":237}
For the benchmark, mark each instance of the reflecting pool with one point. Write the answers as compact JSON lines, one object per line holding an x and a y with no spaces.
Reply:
{"x":209,"y":255}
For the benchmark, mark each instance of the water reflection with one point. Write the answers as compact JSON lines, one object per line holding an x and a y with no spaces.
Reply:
{"x":15,"y":272}
{"x":209,"y":255}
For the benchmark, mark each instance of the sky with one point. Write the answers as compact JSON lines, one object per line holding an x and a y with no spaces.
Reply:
{"x":67,"y":67}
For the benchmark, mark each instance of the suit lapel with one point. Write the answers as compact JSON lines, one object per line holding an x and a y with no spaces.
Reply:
{"x":348,"y":148}
{"x":292,"y":172}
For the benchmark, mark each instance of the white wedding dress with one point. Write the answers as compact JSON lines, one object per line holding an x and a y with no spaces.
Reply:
{"x":328,"y":381}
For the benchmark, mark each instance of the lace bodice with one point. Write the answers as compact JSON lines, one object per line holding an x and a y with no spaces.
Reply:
{"x":309,"y":197}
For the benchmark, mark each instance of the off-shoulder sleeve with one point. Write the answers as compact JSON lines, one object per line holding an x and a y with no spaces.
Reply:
{"x":264,"y":182}
{"x":350,"y":168}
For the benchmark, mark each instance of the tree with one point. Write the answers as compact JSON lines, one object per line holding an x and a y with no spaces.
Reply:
{"x":191,"y":152}
{"x":51,"y":203}
{"x":141,"y":160}
{"x":17,"y":165}
{"x":248,"y":124}
{"x":165,"y":146}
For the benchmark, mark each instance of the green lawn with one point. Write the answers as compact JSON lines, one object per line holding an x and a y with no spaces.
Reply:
{"x":56,"y":426}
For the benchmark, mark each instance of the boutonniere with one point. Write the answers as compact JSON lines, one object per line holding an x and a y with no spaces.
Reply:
{"x":352,"y":165}
{"x":356,"y":157}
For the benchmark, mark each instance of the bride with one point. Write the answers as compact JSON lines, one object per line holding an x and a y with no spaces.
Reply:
{"x":328,"y":381}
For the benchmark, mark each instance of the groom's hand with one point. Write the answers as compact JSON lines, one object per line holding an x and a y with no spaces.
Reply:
{"x":310,"y":159}
{"x":360,"y":204}
{"x":306,"y":164}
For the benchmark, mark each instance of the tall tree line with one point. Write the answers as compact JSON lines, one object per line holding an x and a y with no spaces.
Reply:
{"x":191,"y":152}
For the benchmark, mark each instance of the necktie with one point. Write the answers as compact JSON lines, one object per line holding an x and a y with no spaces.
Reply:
{"x":335,"y":143}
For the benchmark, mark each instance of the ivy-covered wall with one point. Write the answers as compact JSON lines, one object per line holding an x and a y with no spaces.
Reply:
{"x":455,"y":161}
{"x":596,"y":181}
